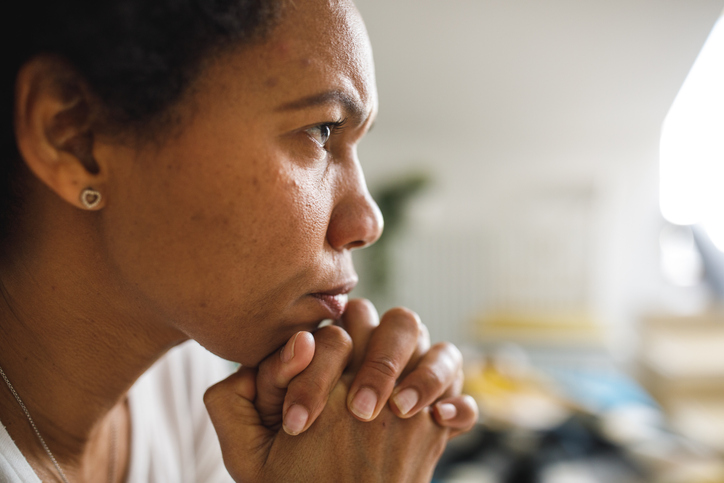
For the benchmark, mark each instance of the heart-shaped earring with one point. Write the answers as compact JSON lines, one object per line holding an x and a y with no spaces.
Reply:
{"x":90,"y":198}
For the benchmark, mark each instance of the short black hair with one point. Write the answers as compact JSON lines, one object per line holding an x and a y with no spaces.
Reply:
{"x":136,"y":56}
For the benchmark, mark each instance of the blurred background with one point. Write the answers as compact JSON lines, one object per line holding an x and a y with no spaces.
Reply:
{"x":549,"y":173}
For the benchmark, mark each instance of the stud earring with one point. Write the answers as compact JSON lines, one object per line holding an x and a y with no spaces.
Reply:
{"x":90,"y":198}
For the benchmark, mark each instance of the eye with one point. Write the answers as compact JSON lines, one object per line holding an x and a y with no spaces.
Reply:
{"x":320,"y":134}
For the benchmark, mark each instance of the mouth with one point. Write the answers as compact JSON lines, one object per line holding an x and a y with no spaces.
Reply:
{"x":334,"y":301}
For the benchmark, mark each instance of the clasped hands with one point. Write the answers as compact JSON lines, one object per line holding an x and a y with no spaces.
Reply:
{"x":317,"y":409}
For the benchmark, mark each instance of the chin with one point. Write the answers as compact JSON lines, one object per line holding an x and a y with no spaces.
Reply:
{"x":251,"y":339}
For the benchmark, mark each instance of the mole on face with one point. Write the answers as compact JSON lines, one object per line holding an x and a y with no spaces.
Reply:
{"x":271,"y":82}
{"x":283,"y":48}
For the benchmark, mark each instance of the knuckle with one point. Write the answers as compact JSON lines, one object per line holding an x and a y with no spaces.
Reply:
{"x":360,"y":312}
{"x":451,"y":350}
{"x":383,"y":365}
{"x":424,"y":333}
{"x":310,"y":393}
{"x":457,"y":385}
{"x":404,"y":318}
{"x":360,"y":306}
{"x":212,"y":395}
{"x":468,"y":413}
{"x":335,"y":339}
{"x":429,"y":377}
{"x":402,"y":313}
{"x":472,"y":405}
{"x":209,"y":395}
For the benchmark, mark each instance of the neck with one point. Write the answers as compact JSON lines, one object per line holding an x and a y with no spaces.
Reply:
{"x":69,"y":349}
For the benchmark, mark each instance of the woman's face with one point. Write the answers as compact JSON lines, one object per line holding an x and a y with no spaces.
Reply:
{"x":237,"y":229}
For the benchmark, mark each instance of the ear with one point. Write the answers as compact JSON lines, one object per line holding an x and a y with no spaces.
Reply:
{"x":54,"y":117}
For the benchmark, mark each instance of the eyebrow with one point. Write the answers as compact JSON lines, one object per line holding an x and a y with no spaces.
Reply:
{"x":353,"y":107}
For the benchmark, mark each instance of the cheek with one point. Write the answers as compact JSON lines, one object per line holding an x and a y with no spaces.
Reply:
{"x":221,"y":243}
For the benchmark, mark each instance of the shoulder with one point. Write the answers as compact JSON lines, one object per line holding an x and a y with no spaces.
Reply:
{"x":172,"y":435}
{"x":14,"y":468}
{"x":189,"y":365}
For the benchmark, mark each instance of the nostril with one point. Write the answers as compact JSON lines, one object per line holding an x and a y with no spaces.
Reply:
{"x":356,"y":244}
{"x":356,"y":221}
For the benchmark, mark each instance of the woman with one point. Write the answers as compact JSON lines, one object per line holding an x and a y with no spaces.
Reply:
{"x":187,"y":170}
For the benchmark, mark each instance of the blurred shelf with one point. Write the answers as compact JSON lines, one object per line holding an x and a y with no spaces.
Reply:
{"x":552,"y":329}
{"x":681,"y":363}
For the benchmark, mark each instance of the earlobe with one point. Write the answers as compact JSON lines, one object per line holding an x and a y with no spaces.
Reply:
{"x":90,"y":198}
{"x":53,"y":129}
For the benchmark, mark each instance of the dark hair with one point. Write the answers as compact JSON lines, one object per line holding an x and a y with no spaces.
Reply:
{"x":137,"y":56}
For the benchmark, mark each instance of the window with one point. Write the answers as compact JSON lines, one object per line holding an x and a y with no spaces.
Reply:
{"x":692,"y":145}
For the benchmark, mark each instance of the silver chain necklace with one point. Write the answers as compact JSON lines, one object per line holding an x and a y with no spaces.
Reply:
{"x":114,"y":437}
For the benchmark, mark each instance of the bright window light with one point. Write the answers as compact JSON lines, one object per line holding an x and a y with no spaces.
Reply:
{"x":692,"y":145}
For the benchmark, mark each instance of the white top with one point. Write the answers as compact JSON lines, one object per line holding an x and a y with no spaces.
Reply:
{"x":172,"y":439}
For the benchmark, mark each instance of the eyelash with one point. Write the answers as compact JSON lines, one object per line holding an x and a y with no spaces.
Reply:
{"x":334,"y":128}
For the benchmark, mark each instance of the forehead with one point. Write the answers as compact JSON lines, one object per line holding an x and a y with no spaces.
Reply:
{"x":318,"y":46}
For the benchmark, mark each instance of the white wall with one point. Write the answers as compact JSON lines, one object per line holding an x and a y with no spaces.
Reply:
{"x":539,"y":120}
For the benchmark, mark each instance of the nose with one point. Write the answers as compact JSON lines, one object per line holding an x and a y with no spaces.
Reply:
{"x":356,"y":220}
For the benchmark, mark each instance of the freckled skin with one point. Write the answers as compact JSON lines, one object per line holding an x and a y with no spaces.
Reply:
{"x":227,"y":227}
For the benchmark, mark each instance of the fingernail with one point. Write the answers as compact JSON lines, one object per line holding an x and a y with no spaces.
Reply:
{"x":295,"y":420}
{"x":447,"y":411}
{"x":288,"y":351}
{"x":405,"y":400}
{"x":363,"y":404}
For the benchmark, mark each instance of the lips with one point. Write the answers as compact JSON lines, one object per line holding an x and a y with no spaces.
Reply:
{"x":335,"y":304}
{"x":335,"y":299}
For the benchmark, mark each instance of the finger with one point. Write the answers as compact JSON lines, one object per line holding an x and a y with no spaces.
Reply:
{"x":438,"y":374}
{"x":388,"y":352}
{"x":423,"y":345}
{"x":230,"y":404}
{"x":359,"y":319}
{"x":459,"y":414}
{"x":275,"y":374}
{"x":307,"y":393}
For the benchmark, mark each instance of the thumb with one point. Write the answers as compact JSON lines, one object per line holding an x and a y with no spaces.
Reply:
{"x":245,"y":441}
{"x":276,"y":373}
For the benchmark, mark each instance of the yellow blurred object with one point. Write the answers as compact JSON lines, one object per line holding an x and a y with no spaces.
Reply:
{"x":540,"y":328}
{"x":514,"y":398}
{"x":695,"y":472}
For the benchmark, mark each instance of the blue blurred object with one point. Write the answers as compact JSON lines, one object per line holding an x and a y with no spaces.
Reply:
{"x":599,"y":391}
{"x":579,"y":442}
